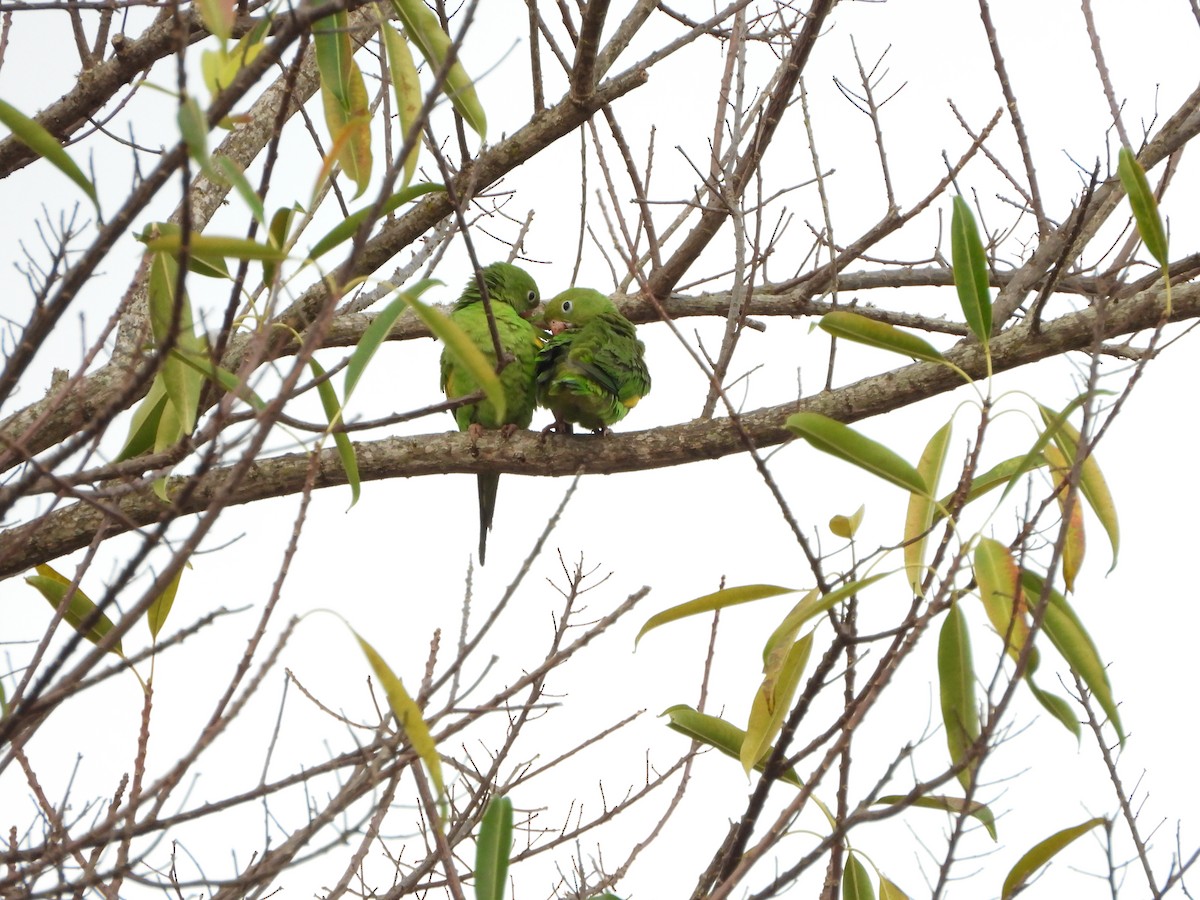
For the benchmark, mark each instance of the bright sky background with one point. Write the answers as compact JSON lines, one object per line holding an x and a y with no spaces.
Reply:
{"x":395,"y":565}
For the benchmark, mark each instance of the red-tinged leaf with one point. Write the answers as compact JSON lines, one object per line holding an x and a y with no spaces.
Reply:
{"x":970,"y":271}
{"x":1000,"y":589}
{"x":856,"y":880}
{"x":836,"y":439}
{"x":45,"y":145}
{"x":953,"y":805}
{"x":921,"y":507}
{"x":956,"y":682}
{"x":712,"y":602}
{"x":719,"y":734}
{"x":79,"y":607}
{"x":1041,"y":853}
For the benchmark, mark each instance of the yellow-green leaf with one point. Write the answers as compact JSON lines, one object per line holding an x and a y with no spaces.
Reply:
{"x":1056,"y":706}
{"x":54,"y":586}
{"x":1042,"y":853}
{"x":856,"y":880}
{"x":223,"y":378}
{"x":1004,"y":473}
{"x":408,"y":715}
{"x":1066,"y":632}
{"x":156,"y":615}
{"x":889,"y":891}
{"x":836,"y":439}
{"x":333,"y":415}
{"x":218,"y":16}
{"x":773,"y":699}
{"x":182,"y":383}
{"x":952,"y":805}
{"x":45,"y":145}
{"x":346,"y":229}
{"x":1074,"y":544}
{"x":970,"y":270}
{"x":349,"y":123}
{"x":1000,"y":589}
{"x":143,"y":428}
{"x":168,"y":237}
{"x":715,"y":732}
{"x":813,"y":604}
{"x":493,"y":849}
{"x":846,"y":526}
{"x":712,"y":602}
{"x":407,"y":88}
{"x":852,"y":326}
{"x":921,"y":507}
{"x":220,"y":66}
{"x":214,"y":246}
{"x":956,"y":684}
{"x":1091,"y":481}
{"x":1143,"y":204}
{"x":443,"y":329}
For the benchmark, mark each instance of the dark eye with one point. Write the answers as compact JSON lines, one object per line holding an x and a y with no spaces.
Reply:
{"x":531,"y":296}
{"x":567,"y":306}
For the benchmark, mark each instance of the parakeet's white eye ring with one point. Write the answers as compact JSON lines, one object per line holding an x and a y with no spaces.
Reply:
{"x":531,"y":296}
{"x":567,"y":306}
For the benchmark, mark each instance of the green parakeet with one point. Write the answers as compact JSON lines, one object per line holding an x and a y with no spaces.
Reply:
{"x":513,"y":295}
{"x":593,"y":370}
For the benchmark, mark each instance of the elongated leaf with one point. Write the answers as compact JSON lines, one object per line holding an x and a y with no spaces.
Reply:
{"x":846,"y":526}
{"x":952,"y":805}
{"x":1000,"y":589}
{"x":715,"y":732}
{"x":215,"y":245}
{"x":346,"y":229}
{"x":349,"y":124}
{"x":712,"y":602}
{"x":144,"y":427}
{"x":1004,"y":473}
{"x":956,"y":684}
{"x":1144,"y":205}
{"x":836,"y":439}
{"x":220,"y":66}
{"x":223,"y":378}
{"x":407,"y":88}
{"x":218,"y":16}
{"x":856,"y":880}
{"x":1091,"y":481}
{"x":889,"y":891}
{"x":921,"y":507}
{"x":200,"y":261}
{"x":493,"y":849}
{"x":183,"y":384}
{"x":1066,"y":632}
{"x":773,"y":700}
{"x":45,"y":145}
{"x":443,"y":329}
{"x":423,"y":29}
{"x":1074,"y":544}
{"x":170,"y":432}
{"x":156,"y":615}
{"x":854,"y":327}
{"x":194,"y":127}
{"x":814,"y":604}
{"x":331,"y":41}
{"x":54,"y":586}
{"x":1041,"y":853}
{"x":408,"y":715}
{"x":1056,"y":706}
{"x":231,"y":174}
{"x":970,"y":270}
{"x":333,"y":415}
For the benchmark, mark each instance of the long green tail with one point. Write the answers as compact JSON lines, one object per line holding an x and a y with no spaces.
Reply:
{"x":487,"y":482}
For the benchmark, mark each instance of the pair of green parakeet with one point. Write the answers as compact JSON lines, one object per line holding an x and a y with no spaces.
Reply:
{"x":591,"y":370}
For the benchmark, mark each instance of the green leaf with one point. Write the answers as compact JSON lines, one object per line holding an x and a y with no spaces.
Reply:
{"x":952,"y":805}
{"x":846,"y":526}
{"x":1042,"y":853}
{"x":347,"y":228}
{"x":836,"y":439}
{"x":999,"y":587}
{"x":200,"y":261}
{"x":1056,"y":706}
{"x":492,"y":850}
{"x":712,"y":602}
{"x":1091,"y":480}
{"x":921,"y":507}
{"x":183,"y":384}
{"x":408,"y":715}
{"x":717,"y":733}
{"x":773,"y":699}
{"x":210,"y":246}
{"x":889,"y":891}
{"x":1074,"y":541}
{"x":156,"y":615}
{"x":423,"y":29}
{"x":443,"y":329}
{"x":1144,"y":205}
{"x":1004,"y":473}
{"x":970,"y":270}
{"x":333,"y":415}
{"x":230,"y":173}
{"x":407,"y":88}
{"x":331,"y":40}
{"x":1066,"y":632}
{"x":144,"y":426}
{"x":45,"y":145}
{"x":218,"y":16}
{"x":956,"y":683}
{"x":814,"y":604}
{"x":856,"y":880}
{"x":53,"y":586}
{"x":221,"y":65}
{"x":219,"y":376}
{"x":873,"y":333}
